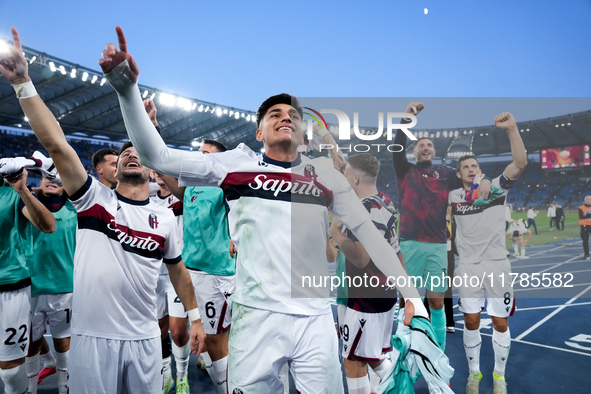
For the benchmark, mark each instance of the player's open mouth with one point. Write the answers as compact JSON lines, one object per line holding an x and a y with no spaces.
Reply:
{"x":284,"y":128}
{"x":132,"y":165}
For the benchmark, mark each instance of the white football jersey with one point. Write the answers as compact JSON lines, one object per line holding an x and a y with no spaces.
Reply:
{"x":121,"y":244}
{"x":174,"y":204}
{"x":278,"y":221}
{"x":480,"y":233}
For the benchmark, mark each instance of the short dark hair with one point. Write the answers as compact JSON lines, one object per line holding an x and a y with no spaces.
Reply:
{"x":423,"y":138}
{"x":282,"y":98}
{"x":125,"y":146}
{"x":99,"y":156}
{"x":221,"y":147}
{"x":366,"y":163}
{"x":516,"y":233}
{"x":464,"y":158}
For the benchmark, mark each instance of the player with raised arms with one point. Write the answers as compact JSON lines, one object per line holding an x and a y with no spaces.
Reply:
{"x":278,"y":221}
{"x":122,"y":240}
{"x":480,"y":239}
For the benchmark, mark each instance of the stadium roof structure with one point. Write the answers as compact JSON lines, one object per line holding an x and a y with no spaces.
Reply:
{"x":87,"y":106}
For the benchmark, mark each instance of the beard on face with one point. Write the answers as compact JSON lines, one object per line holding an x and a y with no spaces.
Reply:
{"x":133,"y":178}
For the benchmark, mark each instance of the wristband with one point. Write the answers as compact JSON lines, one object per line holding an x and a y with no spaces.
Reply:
{"x":25,"y":90}
{"x":194,"y":314}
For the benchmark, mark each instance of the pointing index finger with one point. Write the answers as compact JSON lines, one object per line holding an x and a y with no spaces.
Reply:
{"x":16,"y":39}
{"x":121,"y":38}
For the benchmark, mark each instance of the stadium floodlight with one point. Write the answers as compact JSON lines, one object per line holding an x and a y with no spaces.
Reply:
{"x":225,"y":111}
{"x":52,"y":66}
{"x":167,"y":99}
{"x":445,"y":133}
{"x":184,"y":103}
{"x":437,"y":135}
{"x":568,"y":124}
{"x":73,"y":73}
{"x":556,"y":125}
{"x":194,"y":106}
{"x":152,"y":96}
{"x":456,"y":134}
{"x":420,"y":134}
{"x":84,"y":76}
{"x":207,"y":108}
{"x":62,"y":69}
{"x":248,"y":118}
{"x":32,"y":59}
{"x":145,"y":94}
{"x":218,"y":111}
{"x":93,"y":79}
{"x":200,"y":109}
{"x":26,"y":119}
{"x":103,"y":81}
{"x":231,"y":113}
{"x":242,"y":115}
{"x":253,"y":118}
{"x":237,"y":115}
{"x":195,"y":143}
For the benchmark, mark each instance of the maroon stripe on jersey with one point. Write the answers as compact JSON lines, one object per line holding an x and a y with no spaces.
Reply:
{"x":351,"y":355}
{"x":177,"y":208}
{"x":276,"y":186}
{"x":145,"y":244}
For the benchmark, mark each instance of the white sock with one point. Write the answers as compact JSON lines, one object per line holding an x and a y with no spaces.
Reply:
{"x":284,"y":377}
{"x":166,"y":369}
{"x":472,"y":343}
{"x":218,"y":374}
{"x":14,"y":379}
{"x":515,"y":247}
{"x":32,"y":367}
{"x":181,"y":356}
{"x":501,"y":345}
{"x":374,"y":380}
{"x":358,"y":385}
{"x":383,"y":368}
{"x":47,"y":359}
{"x":62,"y":371}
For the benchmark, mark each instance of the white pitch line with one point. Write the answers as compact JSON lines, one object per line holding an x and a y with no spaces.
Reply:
{"x":535,"y":308}
{"x":537,"y":344}
{"x":559,"y":264}
{"x":532,"y":328}
{"x":551,"y":288}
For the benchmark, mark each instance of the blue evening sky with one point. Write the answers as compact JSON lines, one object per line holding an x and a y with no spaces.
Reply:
{"x":238,"y":53}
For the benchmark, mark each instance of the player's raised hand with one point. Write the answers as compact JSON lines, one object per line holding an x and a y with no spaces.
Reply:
{"x":13,"y":64}
{"x":415,"y":108}
{"x":151,"y":110}
{"x":113,"y":57}
{"x":505,"y":121}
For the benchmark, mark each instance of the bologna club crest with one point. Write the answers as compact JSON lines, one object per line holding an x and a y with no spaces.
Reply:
{"x":153,"y":220}
{"x":310,"y":172}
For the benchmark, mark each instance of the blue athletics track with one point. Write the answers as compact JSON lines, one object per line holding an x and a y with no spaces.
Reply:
{"x":551,"y":331}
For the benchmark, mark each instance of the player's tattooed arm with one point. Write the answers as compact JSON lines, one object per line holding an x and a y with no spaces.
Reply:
{"x":33,"y":210}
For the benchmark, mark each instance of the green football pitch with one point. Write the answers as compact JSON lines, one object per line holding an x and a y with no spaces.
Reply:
{"x":571,"y":229}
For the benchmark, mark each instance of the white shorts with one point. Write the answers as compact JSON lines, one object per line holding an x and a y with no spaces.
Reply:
{"x":106,"y":366}
{"x":498,"y":295}
{"x":261,"y":342}
{"x":212,"y":292}
{"x":55,"y":309}
{"x":15,"y":319}
{"x":162,"y":287}
{"x":366,"y":336}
